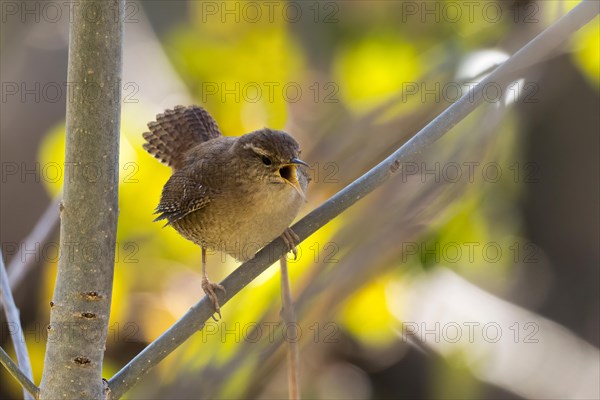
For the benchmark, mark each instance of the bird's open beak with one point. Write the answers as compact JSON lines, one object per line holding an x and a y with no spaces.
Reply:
{"x":299,"y":161}
{"x":289,"y":174}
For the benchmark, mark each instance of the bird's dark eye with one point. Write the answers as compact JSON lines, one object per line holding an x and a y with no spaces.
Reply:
{"x":266,"y":160}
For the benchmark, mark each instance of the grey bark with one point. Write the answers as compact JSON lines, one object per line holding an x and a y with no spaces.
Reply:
{"x":81,"y":302}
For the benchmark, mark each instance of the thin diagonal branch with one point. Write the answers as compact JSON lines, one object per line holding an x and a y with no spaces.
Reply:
{"x":194,"y":319}
{"x":14,"y":370}
{"x":14,"y":326}
{"x":46,"y":225}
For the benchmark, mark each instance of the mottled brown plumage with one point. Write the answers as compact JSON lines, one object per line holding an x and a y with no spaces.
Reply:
{"x":232,"y":194}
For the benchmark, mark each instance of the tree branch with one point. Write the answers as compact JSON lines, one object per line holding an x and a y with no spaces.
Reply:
{"x":14,"y":370}
{"x":20,"y":265}
{"x":14,"y":328}
{"x":288,"y":315}
{"x":195,"y":318}
{"x":81,"y":302}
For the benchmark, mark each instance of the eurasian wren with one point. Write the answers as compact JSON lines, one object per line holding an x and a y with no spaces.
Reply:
{"x":232,"y":194}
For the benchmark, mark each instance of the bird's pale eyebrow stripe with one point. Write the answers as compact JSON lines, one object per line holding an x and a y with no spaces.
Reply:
{"x":257,"y":150}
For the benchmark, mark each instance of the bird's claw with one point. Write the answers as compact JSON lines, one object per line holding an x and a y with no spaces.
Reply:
{"x":210,"y":288}
{"x":291,"y":239}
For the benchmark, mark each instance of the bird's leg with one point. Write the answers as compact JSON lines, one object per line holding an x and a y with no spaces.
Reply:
{"x":291,"y":239}
{"x":209,"y":287}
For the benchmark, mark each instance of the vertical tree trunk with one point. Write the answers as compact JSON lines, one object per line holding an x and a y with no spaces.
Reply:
{"x":81,"y":303}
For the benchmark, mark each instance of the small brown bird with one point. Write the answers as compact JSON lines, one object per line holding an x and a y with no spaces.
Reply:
{"x":232,"y":194}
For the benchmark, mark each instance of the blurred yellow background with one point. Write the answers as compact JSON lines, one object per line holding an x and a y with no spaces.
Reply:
{"x":507,"y":201}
